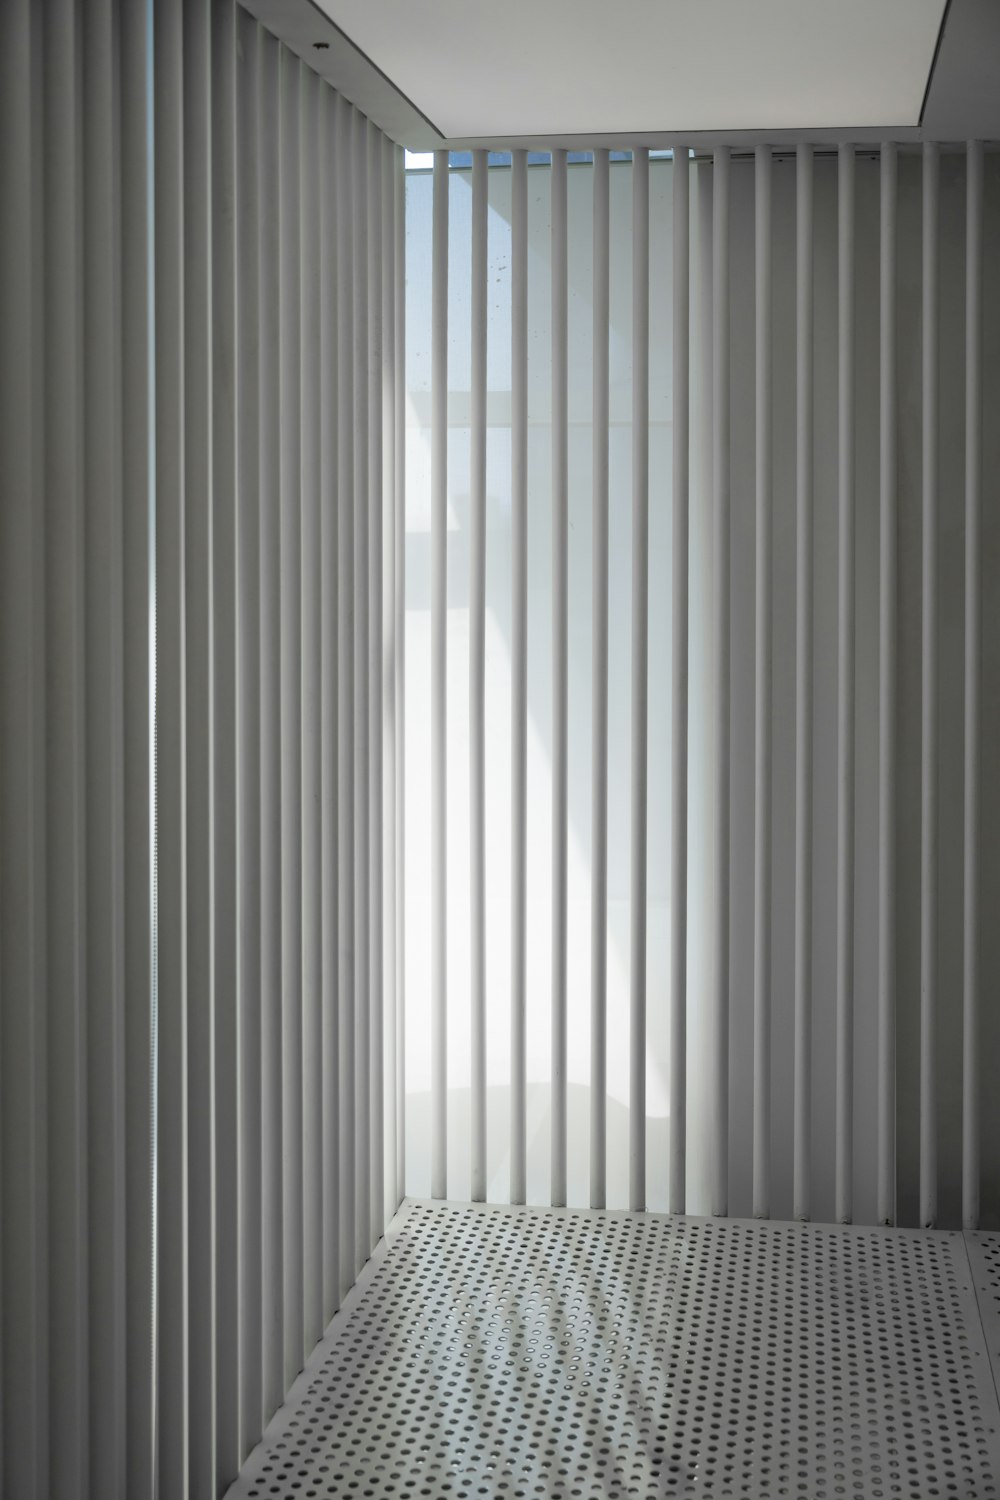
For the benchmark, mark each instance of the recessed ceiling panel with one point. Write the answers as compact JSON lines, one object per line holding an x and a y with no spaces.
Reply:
{"x":590,"y":67}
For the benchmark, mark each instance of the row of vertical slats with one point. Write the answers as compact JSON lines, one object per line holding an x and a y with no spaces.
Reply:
{"x":276,"y":245}
{"x":844,"y":1064}
{"x":887,"y":775}
{"x":886,"y":1005}
{"x":154,"y":1340}
{"x":76,"y":1279}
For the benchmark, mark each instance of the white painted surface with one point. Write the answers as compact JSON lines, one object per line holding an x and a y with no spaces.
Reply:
{"x":583,"y":65}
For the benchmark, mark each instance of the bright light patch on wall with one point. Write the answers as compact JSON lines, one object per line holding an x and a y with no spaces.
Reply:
{"x":497,"y":670}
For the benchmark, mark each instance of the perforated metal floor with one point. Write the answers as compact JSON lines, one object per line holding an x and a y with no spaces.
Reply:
{"x":549,"y":1352}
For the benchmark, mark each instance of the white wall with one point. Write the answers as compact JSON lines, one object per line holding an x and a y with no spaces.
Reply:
{"x":742,"y":602}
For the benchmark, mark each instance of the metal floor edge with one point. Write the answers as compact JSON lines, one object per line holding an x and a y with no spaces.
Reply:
{"x":537,"y":1352}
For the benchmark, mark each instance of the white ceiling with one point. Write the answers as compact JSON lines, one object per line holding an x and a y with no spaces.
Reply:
{"x":537,"y":67}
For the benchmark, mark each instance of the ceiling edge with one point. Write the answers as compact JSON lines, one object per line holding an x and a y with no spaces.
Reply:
{"x":308,"y":31}
{"x":962,"y":98}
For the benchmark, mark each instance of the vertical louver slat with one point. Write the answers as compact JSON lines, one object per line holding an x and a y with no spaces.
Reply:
{"x":331,"y":813}
{"x":560,"y":668}
{"x":764,"y":480}
{"x":289,"y":207}
{"x":197,"y":862}
{"x":599,"y":729}
{"x":272,"y":1149}
{"x":477,"y":673}
{"x":376,"y":1164}
{"x":171,"y":816}
{"x":399,"y":500}
{"x":676,"y":1183}
{"x":640,"y":673}
{"x":102,"y":628}
{"x":362,"y":736}
{"x":929,"y":695}
{"x":135,"y":136}
{"x":390,"y":1202}
{"x":345,"y":681}
{"x":225,"y":776}
{"x":249,"y":874}
{"x":973,"y":669}
{"x":844,"y":1083}
{"x":66,"y":599}
{"x":24,"y":878}
{"x":721,"y":446}
{"x":519,"y":673}
{"x":802,"y":1169}
{"x":439,"y":586}
{"x":313,"y":905}
{"x":886,"y":1187}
